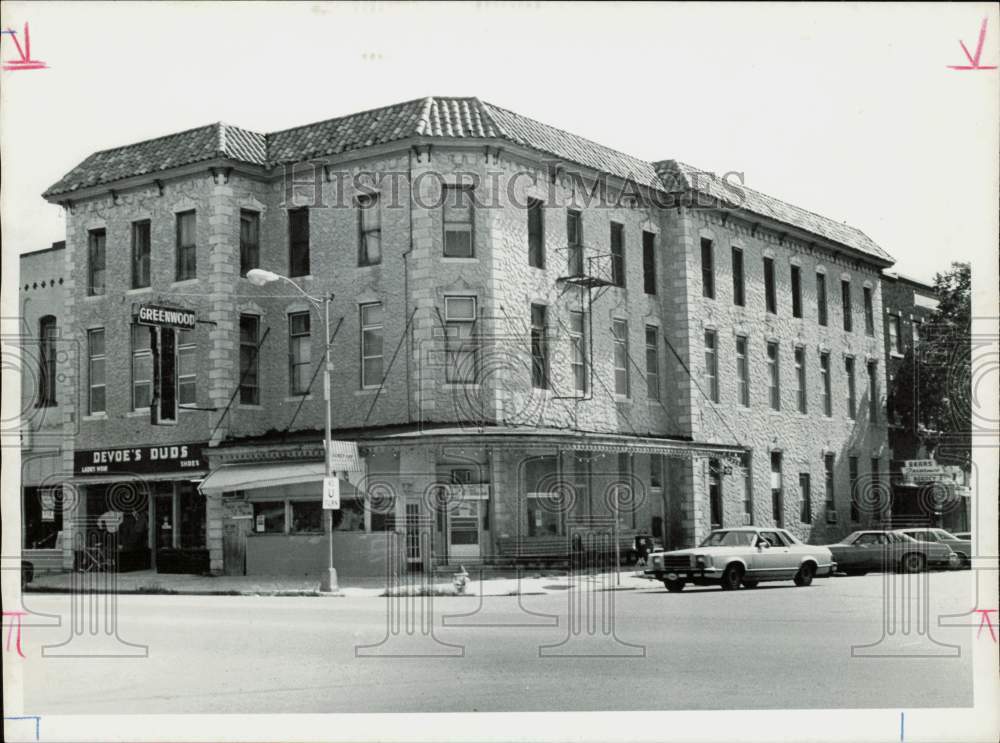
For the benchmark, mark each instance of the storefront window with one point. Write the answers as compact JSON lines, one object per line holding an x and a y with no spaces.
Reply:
{"x":269,"y":517}
{"x":350,"y":516}
{"x":192,"y":516}
{"x":42,"y":517}
{"x":544,"y":516}
{"x":383,"y":515}
{"x":307,"y":517}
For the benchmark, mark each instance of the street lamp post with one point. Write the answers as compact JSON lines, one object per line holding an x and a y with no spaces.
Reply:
{"x":260,"y":277}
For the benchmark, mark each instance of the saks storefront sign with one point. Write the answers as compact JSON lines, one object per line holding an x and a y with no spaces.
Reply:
{"x":139,"y":459}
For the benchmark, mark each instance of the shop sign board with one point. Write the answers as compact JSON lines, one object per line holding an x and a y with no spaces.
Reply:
{"x":922,"y":470}
{"x":139,"y":459}
{"x":165,"y":317}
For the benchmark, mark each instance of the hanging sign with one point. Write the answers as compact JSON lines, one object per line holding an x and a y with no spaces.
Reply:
{"x":331,"y":493}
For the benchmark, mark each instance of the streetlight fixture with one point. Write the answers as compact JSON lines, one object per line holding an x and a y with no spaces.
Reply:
{"x":260,"y":277}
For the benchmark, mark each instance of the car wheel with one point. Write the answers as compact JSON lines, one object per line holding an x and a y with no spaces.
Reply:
{"x":805,"y":575}
{"x":731,"y":577}
{"x":750,"y":582}
{"x":912,"y":563}
{"x":963,"y":561}
{"x":674,"y":586}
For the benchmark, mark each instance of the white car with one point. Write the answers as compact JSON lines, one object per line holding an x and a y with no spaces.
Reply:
{"x":746,"y":555}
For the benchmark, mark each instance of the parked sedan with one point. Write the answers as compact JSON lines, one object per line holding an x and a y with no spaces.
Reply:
{"x":862,"y":551}
{"x":747,"y":556}
{"x":961,"y":547}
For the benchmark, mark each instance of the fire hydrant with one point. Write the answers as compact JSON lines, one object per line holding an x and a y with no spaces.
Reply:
{"x":460,"y":580}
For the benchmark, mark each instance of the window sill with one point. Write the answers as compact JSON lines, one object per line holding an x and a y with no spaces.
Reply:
{"x":370,"y":265}
{"x":304,"y":277}
{"x":244,"y":406}
{"x":95,"y":417}
{"x":366,"y":391}
{"x":459,"y":259}
{"x":620,"y":400}
{"x":94,"y":297}
{"x":137,"y":413}
{"x":180,"y":283}
{"x":291,"y":398}
{"x":139,"y":290}
{"x":896,"y":355}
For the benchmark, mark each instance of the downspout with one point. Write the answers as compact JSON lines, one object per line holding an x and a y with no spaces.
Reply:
{"x":406,"y":289}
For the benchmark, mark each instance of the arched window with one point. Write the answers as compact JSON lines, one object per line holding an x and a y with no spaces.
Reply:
{"x":47,"y":361}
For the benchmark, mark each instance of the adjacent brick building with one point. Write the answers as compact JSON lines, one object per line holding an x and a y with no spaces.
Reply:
{"x":527,"y":328}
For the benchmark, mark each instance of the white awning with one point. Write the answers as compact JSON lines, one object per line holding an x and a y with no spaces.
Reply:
{"x":248,"y":476}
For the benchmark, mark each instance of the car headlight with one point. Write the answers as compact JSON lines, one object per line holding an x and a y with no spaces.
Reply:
{"x":700,"y":561}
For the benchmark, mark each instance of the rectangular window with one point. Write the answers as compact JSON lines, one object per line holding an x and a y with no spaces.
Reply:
{"x":746,"y":462}
{"x":307,"y":517}
{"x":869,"y":312}
{"x":249,"y":241}
{"x":47,"y":335}
{"x":805,"y":493}
{"x":796,"y":291}
{"x":457,"y":216}
{"x":187,"y":371}
{"x":707,"y":268}
{"x":142,"y":367}
{"x":773,"y":376}
{"x":95,"y":262}
{"x":845,"y":302}
{"x":536,"y":233}
{"x":770,"y":297}
{"x":95,"y":370}
{"x":895,"y":335}
{"x":715,"y":492}
{"x":42,"y":516}
{"x":777,"y":495}
{"x":800,"y":376}
{"x":852,"y":409}
{"x":269,"y":517}
{"x":140,"y":253}
{"x":299,"y":353}
{"x":298,"y":241}
{"x":916,"y":334}
{"x":617,"y":254}
{"x":830,"y":503}
{"x":652,"y":362}
{"x":539,"y":349}
{"x":824,"y":374}
{"x":852,"y":464}
{"x":648,"y":262}
{"x":372,"y":338}
{"x":872,"y":392}
{"x":712,"y":365}
{"x":619,"y":329}
{"x":578,"y":357}
{"x":369,"y":230}
{"x":461,"y":357}
{"x":821,"y":298}
{"x":574,"y":241}
{"x":187,"y":264}
{"x":742,"y":371}
{"x":739,"y":294}
{"x":249,"y":360}
{"x":655,"y":472}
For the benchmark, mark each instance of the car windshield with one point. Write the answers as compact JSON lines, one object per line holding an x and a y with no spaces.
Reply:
{"x":728,"y":539}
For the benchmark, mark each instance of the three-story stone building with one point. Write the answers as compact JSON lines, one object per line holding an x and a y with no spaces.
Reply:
{"x":527,"y":328}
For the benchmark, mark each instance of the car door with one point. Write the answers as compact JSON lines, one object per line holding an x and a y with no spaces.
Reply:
{"x":869,"y":552}
{"x":774,"y":562}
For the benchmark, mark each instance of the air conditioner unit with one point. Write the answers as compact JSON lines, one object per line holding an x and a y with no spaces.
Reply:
{"x":831,"y":517}
{"x":747,"y":519}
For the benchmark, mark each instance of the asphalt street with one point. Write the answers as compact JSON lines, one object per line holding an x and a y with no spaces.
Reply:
{"x":776,"y":646}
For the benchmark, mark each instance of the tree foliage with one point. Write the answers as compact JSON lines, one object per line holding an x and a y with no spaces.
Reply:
{"x":931,"y":392}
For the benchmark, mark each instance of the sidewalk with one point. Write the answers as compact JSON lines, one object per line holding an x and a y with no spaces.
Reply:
{"x":498,"y":583}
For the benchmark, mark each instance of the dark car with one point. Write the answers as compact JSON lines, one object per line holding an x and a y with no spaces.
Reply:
{"x":961,"y":547}
{"x":863,"y":551}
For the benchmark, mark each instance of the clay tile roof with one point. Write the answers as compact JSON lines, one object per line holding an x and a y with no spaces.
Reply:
{"x":678,"y":177}
{"x":432,"y":117}
{"x":155,"y":155}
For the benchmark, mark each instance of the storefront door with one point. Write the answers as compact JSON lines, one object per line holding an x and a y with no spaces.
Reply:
{"x":463,"y":530}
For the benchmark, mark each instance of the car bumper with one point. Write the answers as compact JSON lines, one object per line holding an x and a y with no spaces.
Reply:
{"x":714,"y":575}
